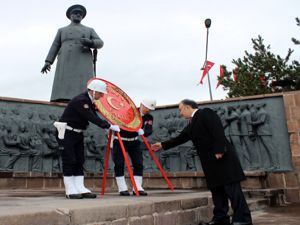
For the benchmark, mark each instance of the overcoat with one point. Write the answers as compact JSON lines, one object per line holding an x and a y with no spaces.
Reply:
{"x":74,"y":61}
{"x":207,"y":134}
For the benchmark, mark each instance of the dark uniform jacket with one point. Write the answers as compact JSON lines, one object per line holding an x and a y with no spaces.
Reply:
{"x":80,"y":111}
{"x":207,"y":134}
{"x":146,"y":126}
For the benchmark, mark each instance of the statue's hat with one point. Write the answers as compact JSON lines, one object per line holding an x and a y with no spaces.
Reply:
{"x":76,"y":7}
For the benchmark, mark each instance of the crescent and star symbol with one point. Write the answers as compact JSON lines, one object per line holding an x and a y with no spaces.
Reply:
{"x":109,"y":100}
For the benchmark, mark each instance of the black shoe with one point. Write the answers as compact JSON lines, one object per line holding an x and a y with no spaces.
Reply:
{"x":142,"y":193}
{"x":214,"y":222}
{"x":124,"y":193}
{"x":74,"y":196}
{"x":241,"y":223}
{"x":89,"y":195}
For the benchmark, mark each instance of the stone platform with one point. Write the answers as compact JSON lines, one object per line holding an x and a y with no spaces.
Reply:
{"x":161,"y":207}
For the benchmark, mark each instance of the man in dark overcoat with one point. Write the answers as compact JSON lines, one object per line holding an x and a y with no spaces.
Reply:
{"x":72,"y":46}
{"x":219,"y":161}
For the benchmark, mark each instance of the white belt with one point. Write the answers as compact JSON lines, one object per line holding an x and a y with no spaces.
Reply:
{"x":128,"y":139}
{"x":73,"y":129}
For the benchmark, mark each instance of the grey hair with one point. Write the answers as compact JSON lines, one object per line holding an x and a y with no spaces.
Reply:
{"x":190,"y":102}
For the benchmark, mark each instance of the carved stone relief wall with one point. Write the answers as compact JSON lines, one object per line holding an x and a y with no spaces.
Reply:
{"x":257,"y":129}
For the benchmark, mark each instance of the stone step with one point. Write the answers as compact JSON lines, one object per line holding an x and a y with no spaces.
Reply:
{"x":160,"y":207}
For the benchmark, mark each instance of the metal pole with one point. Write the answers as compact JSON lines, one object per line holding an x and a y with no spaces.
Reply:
{"x":207,"y":25}
{"x":106,"y":162}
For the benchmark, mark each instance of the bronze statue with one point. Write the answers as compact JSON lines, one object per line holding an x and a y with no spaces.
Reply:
{"x":72,"y":45}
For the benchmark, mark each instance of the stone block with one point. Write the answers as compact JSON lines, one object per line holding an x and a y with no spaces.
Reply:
{"x":295,"y":97}
{"x":296,"y":162}
{"x":292,"y":194}
{"x":166,"y":206}
{"x":292,"y":126}
{"x":123,"y":221}
{"x":201,"y":182}
{"x":204,"y":214}
{"x":45,"y":218}
{"x":156,"y":183}
{"x":140,"y":209}
{"x":253,"y":182}
{"x":258,"y":204}
{"x":52,"y":183}
{"x":35,"y":183}
{"x":55,"y":175}
{"x":186,"y":174}
{"x":186,"y":217}
{"x":98,"y":214}
{"x":187,"y":182}
{"x":288,"y":113}
{"x":89,"y":182}
{"x":6,"y":174}
{"x":295,"y":112}
{"x":97,"y":183}
{"x":295,"y":148}
{"x":194,"y":203}
{"x":294,"y":138}
{"x":103,"y":223}
{"x":289,"y":100}
{"x":145,"y":220}
{"x":291,"y":180}
{"x":10,"y":183}
{"x":22,"y":174}
{"x":275,"y":180}
{"x":169,"y":218}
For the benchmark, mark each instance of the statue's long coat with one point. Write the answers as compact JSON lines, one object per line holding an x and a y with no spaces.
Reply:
{"x":74,"y":62}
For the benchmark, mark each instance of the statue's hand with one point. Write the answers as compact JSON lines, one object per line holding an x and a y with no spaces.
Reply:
{"x":46,"y":68}
{"x":87,"y":42}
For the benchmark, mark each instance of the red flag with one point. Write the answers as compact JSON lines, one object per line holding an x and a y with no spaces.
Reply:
{"x":208,"y":66}
{"x":221,"y":76}
{"x":234,"y":75}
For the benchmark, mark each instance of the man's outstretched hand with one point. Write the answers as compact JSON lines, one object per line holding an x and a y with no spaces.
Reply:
{"x":156,"y":146}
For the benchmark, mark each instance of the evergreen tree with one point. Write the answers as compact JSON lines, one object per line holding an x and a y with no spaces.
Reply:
{"x":297,"y":42}
{"x":261,"y":72}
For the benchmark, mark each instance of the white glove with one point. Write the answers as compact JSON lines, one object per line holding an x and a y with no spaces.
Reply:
{"x":114,"y":128}
{"x":141,"y":132}
{"x":61,"y":128}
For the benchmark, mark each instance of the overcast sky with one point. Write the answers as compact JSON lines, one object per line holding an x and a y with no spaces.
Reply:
{"x":152,"y":48}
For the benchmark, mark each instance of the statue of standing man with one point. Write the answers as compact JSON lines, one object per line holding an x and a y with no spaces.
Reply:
{"x":72,"y":46}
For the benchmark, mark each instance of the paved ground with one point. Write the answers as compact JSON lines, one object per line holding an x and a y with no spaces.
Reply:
{"x":283,"y":215}
{"x":37,"y":201}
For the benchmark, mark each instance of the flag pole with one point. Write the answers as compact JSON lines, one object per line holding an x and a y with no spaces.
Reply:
{"x":207,"y":25}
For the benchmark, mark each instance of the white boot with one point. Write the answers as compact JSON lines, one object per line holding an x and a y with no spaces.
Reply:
{"x":79,"y":185}
{"x":139,"y":181}
{"x":71,"y":191}
{"x":122,"y":186}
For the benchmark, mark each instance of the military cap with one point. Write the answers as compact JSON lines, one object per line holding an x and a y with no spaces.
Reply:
{"x":76,"y":7}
